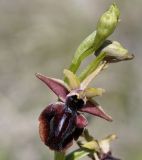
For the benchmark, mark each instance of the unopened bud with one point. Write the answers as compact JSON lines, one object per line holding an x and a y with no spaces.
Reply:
{"x":107,"y":23}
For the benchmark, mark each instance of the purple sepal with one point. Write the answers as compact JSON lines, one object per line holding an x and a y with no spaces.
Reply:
{"x":95,"y":109}
{"x":55,"y":85}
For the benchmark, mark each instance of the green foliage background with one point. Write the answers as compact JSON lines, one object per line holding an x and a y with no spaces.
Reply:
{"x":42,"y":36}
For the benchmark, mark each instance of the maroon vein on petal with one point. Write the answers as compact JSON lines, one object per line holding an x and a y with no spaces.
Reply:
{"x":93,"y":108}
{"x":55,"y":85}
{"x":81,"y":121}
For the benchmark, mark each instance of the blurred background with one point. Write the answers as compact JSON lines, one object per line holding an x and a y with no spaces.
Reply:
{"x":42,"y":36}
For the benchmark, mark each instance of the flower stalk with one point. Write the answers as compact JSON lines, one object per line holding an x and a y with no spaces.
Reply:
{"x":62,"y":122}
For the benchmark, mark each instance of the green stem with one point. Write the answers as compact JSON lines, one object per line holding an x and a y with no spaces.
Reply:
{"x":92,"y":66}
{"x":59,"y":155}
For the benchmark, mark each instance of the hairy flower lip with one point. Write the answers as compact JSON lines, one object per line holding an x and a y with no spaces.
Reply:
{"x":52,"y":116}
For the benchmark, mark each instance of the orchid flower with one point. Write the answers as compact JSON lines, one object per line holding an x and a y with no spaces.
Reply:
{"x":63,"y":121}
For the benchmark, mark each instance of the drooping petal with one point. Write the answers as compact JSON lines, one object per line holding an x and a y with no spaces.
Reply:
{"x":73,"y":80}
{"x":44,"y":120}
{"x":95,"y":109}
{"x":56,"y":85}
{"x":81,"y":121}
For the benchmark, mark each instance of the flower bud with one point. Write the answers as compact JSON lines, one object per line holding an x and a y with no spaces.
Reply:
{"x":115,"y":52}
{"x":107,"y":24}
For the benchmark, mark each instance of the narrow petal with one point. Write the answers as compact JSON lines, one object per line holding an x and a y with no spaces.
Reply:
{"x":56,"y":85}
{"x":92,"y":92}
{"x":93,"y":108}
{"x":73,"y":80}
{"x":81,"y":121}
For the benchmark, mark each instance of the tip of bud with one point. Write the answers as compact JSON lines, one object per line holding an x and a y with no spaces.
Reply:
{"x":114,"y":8}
